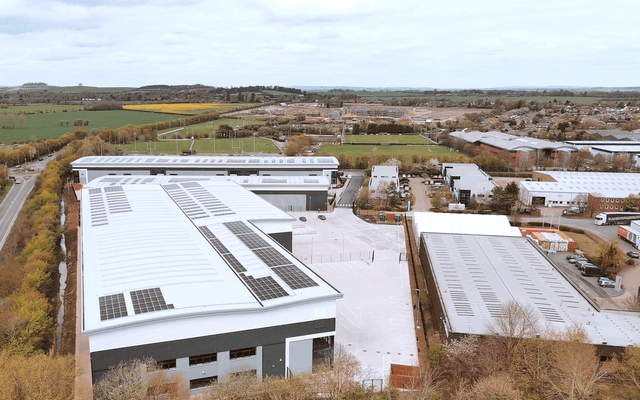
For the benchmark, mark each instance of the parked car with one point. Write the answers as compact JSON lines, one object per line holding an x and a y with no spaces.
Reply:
{"x":606,"y":282}
{"x":18,"y":166}
{"x":12,"y":177}
{"x":322,"y":217}
{"x":632,"y":254}
{"x":303,"y":219}
{"x":18,"y":181}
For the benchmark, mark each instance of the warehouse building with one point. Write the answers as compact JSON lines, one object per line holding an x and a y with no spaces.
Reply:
{"x":518,"y":151}
{"x":86,"y":169}
{"x":605,"y":191}
{"x":467,"y":182}
{"x":381,"y":177}
{"x":197,"y":275}
{"x":471,"y":275}
{"x":289,"y":183}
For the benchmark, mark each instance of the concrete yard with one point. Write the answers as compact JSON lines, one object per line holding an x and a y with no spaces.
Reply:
{"x":375,"y":317}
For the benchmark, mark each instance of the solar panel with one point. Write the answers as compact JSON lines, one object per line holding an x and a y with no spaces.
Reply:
{"x":238,"y":227}
{"x":293,"y":277}
{"x":191,"y":185}
{"x":148,"y":300}
{"x":265,"y":288}
{"x":253,"y":241}
{"x":171,"y":187}
{"x":113,"y":189}
{"x":234,"y":263}
{"x":271,"y":257}
{"x":220,"y":248}
{"x":272,"y":180}
{"x":95,"y":191}
{"x":112,"y":306}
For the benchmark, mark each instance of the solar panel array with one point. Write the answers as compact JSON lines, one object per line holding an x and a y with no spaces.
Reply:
{"x":196,"y":201}
{"x":98,"y":208}
{"x":264,"y":288}
{"x":117,"y":200}
{"x":148,"y":300}
{"x":276,"y":261}
{"x":112,"y":306}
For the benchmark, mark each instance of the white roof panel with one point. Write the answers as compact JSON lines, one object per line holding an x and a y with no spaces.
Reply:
{"x":179,"y":238}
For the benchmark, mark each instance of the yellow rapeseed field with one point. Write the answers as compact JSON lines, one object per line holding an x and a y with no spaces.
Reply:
{"x":183,"y":108}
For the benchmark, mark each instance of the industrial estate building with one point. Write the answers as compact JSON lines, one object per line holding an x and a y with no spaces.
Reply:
{"x":197,"y":275}
{"x":472,"y":273}
{"x":610,"y":149}
{"x":381,"y":177}
{"x":517,"y":150}
{"x":467,"y":182}
{"x":604,"y":190}
{"x":289,"y":183}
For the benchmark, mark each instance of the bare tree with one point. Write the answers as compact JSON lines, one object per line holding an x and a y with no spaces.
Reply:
{"x":516,"y":323}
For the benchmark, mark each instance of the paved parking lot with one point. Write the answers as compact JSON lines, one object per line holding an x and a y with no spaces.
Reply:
{"x":375,"y":317}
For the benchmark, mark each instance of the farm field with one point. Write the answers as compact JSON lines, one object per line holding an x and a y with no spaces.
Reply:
{"x":400,"y":139}
{"x":203,"y":146}
{"x":186,"y":108}
{"x":209,"y":127}
{"x":46,"y":126}
{"x":407,"y":151}
{"x":40,"y":108}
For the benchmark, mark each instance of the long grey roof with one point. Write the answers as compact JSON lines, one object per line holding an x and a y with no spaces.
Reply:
{"x":510,"y":142}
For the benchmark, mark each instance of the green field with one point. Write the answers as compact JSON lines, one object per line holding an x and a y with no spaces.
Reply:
{"x":203,"y":146}
{"x":40,"y":108}
{"x":407,"y":151}
{"x":399,"y":139}
{"x":210,"y":127}
{"x":46,"y":126}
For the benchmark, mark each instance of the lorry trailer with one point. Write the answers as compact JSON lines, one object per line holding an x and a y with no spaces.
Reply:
{"x":619,"y":218}
{"x":630,"y":234}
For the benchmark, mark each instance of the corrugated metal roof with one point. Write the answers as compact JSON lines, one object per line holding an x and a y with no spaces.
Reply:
{"x":328,"y":162}
{"x":477,"y":274}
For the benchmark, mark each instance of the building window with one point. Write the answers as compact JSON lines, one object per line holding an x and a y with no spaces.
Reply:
{"x":617,"y":200}
{"x":322,"y":352}
{"x":607,"y":200}
{"x":242,"y":353}
{"x":606,"y":207}
{"x":203,"y":359}
{"x":167,"y":364}
{"x":202,"y":382}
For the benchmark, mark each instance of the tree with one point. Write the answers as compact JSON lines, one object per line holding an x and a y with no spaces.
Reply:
{"x":517,"y":322}
{"x":504,"y":199}
{"x":632,"y":202}
{"x":609,"y":255}
{"x":224,"y":131}
{"x":297,"y":145}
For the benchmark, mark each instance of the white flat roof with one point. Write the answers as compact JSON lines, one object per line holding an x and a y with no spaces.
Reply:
{"x":384,"y":169}
{"x":156,"y":251}
{"x":465,"y":184}
{"x":217,"y":162}
{"x":464,"y":223}
{"x":477,"y":274}
{"x":606,"y":184}
{"x":253,"y":182}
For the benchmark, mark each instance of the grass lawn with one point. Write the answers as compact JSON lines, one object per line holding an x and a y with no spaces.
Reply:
{"x":203,"y":146}
{"x":78,"y":89}
{"x":40,"y":108}
{"x":407,"y":151}
{"x":399,"y":139}
{"x":211,"y":126}
{"x":5,"y":192}
{"x":46,"y":126}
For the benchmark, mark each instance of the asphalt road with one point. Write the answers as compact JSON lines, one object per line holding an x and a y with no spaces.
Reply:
{"x":350,"y":193}
{"x":13,"y":202}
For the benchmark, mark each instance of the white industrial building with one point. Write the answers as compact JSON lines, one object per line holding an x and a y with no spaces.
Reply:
{"x":572,"y":188}
{"x":381,"y":177}
{"x":467,"y":182}
{"x":289,"y":183}
{"x":471,"y":274}
{"x":197,"y":275}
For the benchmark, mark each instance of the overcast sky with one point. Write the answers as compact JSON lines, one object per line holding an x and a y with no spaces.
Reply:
{"x":419,"y":43}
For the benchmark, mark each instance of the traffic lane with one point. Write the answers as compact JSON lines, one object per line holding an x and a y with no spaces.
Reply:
{"x":589,"y":284}
{"x":11,"y":206}
{"x":350,"y":193}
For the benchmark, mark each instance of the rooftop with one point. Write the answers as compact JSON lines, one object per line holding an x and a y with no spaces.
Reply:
{"x":163,"y":250}
{"x":477,"y":274}
{"x":605,"y":184}
{"x":511,"y":142}
{"x":204,"y":161}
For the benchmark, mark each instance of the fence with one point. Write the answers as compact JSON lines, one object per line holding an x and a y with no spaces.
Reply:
{"x":366,"y":256}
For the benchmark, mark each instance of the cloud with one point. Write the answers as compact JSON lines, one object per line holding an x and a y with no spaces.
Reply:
{"x":457,"y":43}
